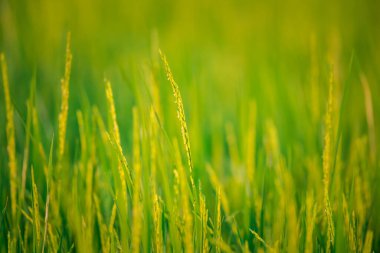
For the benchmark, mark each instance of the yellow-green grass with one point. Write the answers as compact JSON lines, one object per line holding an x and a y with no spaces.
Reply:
{"x":279,"y":106}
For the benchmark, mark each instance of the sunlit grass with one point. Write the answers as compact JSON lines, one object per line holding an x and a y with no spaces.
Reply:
{"x":281,"y":115}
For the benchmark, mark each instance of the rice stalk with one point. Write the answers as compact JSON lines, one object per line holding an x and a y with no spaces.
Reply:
{"x":368,"y":242}
{"x":157,"y":210}
{"x":180,"y":111}
{"x":53,"y":239}
{"x":291,"y":215}
{"x":62,"y":118}
{"x":37,"y":141}
{"x":348,"y":227}
{"x":218,"y":187}
{"x":115,"y":141}
{"x":184,"y":194}
{"x":157,"y":220}
{"x":232,"y":147}
{"x":271,"y":145}
{"x":112,"y":218}
{"x":203,"y":213}
{"x":125,"y":180}
{"x":29,"y":116}
{"x":137,"y":205}
{"x":36,"y":215}
{"x":314,"y":81}
{"x":153,"y":145}
{"x":369,"y":116}
{"x":26,"y":237}
{"x":10,"y":243}
{"x":46,"y":222}
{"x":222,"y":246}
{"x":82,"y":133}
{"x":112,"y":112}
{"x":327,"y":166}
{"x":10,"y":133}
{"x":105,"y":244}
{"x":251,"y":144}
{"x":218,"y":229}
{"x":258,"y":237}
{"x":311,"y":213}
{"x":111,"y":230}
{"x":89,"y":191}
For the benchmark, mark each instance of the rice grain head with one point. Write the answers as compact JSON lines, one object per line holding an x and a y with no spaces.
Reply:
{"x":62,"y":118}
{"x":182,"y":121}
{"x":112,"y":112}
{"x":125,"y":179}
{"x":180,"y":110}
{"x":114,"y":139}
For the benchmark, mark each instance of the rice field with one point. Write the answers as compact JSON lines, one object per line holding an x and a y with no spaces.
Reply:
{"x":189,"y":126}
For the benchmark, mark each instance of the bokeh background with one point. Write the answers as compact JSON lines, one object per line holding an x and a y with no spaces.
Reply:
{"x":223,"y":55}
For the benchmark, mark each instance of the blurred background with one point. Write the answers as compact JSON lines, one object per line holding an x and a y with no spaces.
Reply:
{"x":226,"y":56}
{"x":223,"y":54}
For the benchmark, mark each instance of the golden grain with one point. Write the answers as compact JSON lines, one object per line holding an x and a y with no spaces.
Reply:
{"x":114,"y":139}
{"x":180,"y":110}
{"x":62,"y":118}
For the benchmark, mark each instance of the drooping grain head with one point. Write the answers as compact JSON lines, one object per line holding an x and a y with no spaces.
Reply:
{"x":180,"y":110}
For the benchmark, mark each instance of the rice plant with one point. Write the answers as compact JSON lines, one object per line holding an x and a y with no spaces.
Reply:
{"x":233,"y":126}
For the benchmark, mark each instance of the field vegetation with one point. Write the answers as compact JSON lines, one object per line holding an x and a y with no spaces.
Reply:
{"x":189,"y":126}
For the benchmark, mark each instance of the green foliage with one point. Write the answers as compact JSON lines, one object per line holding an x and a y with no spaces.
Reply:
{"x":276,"y":98}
